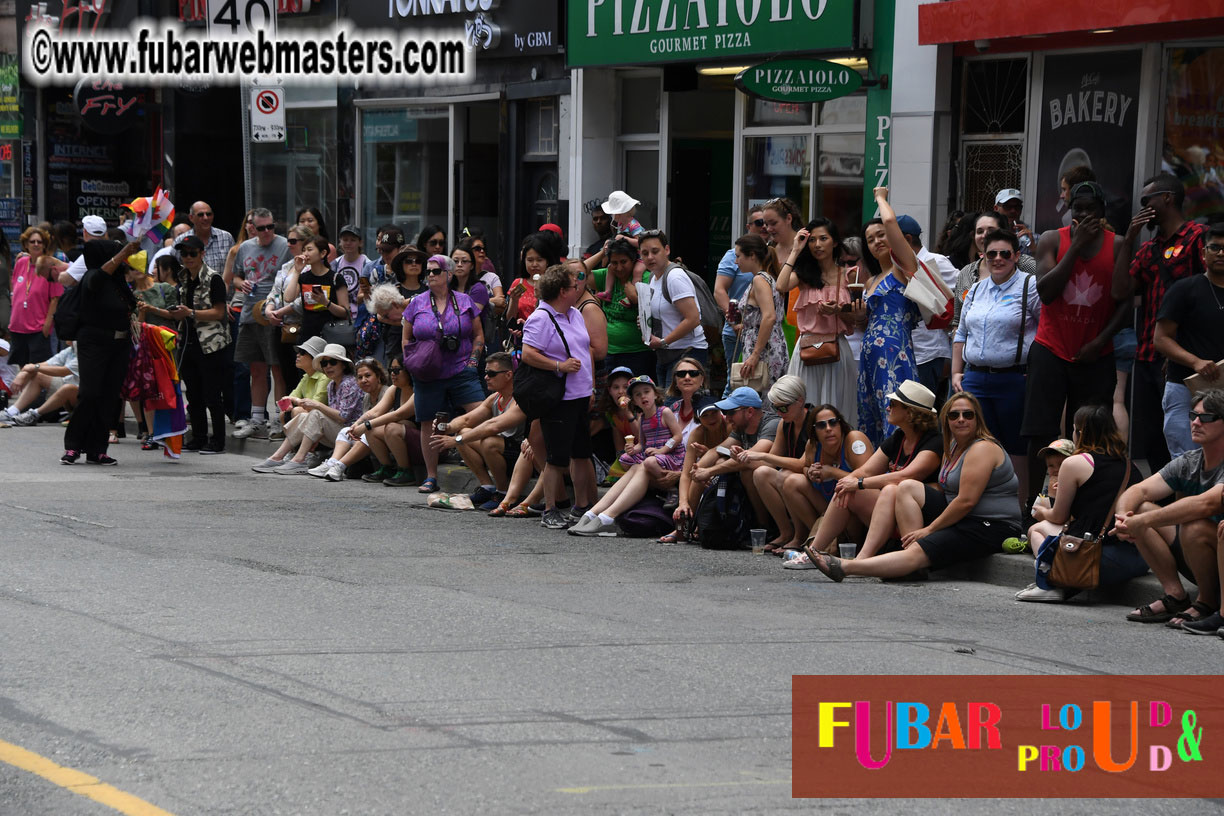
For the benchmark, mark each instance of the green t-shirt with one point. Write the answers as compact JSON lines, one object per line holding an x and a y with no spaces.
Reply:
{"x":313,"y":387}
{"x":624,"y":334}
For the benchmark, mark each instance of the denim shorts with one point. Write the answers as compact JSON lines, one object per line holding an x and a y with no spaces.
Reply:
{"x":1124,"y":343}
{"x":449,"y":395}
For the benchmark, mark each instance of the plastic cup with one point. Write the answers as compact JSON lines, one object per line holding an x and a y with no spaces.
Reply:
{"x":846,"y":549}
{"x":856,"y":291}
{"x":758,"y":541}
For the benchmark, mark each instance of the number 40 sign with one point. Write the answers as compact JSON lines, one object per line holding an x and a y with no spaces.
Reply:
{"x":237,"y":17}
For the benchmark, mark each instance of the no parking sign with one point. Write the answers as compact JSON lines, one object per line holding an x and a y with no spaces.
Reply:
{"x":267,"y":115}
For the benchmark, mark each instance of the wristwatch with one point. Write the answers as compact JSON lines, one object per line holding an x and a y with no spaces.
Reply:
{"x":861,"y":483}
{"x":459,"y":439}
{"x":662,"y":343}
{"x":369,"y":427}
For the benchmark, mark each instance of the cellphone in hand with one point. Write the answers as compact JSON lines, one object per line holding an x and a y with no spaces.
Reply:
{"x":723,"y":450}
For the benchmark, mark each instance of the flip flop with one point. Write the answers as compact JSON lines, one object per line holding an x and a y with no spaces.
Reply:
{"x":500,"y":510}
{"x":672,"y":538}
{"x":829,"y":565}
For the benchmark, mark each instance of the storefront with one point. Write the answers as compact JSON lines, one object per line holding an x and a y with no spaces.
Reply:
{"x":662,"y":119}
{"x":1053,"y":85}
{"x":483,"y":155}
{"x":83,"y":150}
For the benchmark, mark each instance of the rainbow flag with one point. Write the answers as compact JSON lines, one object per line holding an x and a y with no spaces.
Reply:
{"x":152,"y":218}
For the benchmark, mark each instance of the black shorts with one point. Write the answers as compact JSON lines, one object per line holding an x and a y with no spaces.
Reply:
{"x":566,"y":433}
{"x":967,"y":540}
{"x":510,"y":452}
{"x":1053,"y":382}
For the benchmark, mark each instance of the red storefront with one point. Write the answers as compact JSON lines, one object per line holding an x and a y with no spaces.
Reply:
{"x":1128,"y":88}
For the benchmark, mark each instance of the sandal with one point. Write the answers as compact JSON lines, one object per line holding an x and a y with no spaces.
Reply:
{"x":830,"y":565}
{"x":674,"y":537}
{"x":1172,"y":607}
{"x":520,"y":511}
{"x":499,"y":510}
{"x":430,"y":485}
{"x":1185,"y":617}
{"x":113,"y":439}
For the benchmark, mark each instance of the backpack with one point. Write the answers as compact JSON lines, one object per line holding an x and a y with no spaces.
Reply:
{"x":711,"y":315}
{"x":724,"y":515}
{"x":68,"y":313}
{"x":646,"y":519}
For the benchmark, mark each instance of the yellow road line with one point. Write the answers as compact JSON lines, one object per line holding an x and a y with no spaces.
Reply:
{"x":665,"y":785}
{"x":79,"y":783}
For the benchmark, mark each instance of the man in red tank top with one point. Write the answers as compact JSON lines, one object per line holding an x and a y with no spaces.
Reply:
{"x":1071,"y":363}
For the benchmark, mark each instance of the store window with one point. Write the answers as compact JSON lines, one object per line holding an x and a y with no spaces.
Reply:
{"x":405,"y":165}
{"x":994,"y":107}
{"x":301,"y":171}
{"x":1194,"y":130}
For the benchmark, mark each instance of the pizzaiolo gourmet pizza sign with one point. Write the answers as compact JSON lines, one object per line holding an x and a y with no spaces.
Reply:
{"x":634,"y":32}
{"x":799,"y":80}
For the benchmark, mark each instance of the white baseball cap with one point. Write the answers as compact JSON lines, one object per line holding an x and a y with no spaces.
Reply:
{"x":1007,"y":195}
{"x":619,"y":202}
{"x":94,"y":225}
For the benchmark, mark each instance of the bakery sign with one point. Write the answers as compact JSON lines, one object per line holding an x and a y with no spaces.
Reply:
{"x":637,"y":32}
{"x":493,"y":28}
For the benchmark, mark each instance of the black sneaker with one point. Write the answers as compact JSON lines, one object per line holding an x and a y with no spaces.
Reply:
{"x":555,"y":520}
{"x":1209,"y":625}
{"x":212,"y":450}
{"x":402,"y":477}
{"x":101,"y":460}
{"x":482,"y":495}
{"x":575,"y":513}
{"x":194,"y":446}
{"x":383,"y":472}
{"x":70,"y":457}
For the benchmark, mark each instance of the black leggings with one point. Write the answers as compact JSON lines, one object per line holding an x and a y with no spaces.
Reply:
{"x":204,"y":376}
{"x":103,"y":363}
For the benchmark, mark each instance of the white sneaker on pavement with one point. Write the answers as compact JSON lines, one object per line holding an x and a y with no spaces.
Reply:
{"x":253,"y":429}
{"x":1032,"y":592}
{"x":291,"y":468}
{"x":268,"y":466}
{"x":320,"y":471}
{"x":336,"y":472}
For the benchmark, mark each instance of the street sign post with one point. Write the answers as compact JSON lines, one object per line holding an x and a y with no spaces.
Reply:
{"x":267,"y":115}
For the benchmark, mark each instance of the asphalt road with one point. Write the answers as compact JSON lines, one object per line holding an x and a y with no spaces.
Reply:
{"x":217,"y":642}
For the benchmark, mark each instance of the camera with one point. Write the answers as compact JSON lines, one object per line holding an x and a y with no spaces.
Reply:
{"x":450,"y":342}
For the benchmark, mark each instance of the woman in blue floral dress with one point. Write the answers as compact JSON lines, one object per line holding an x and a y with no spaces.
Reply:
{"x":888,"y":351}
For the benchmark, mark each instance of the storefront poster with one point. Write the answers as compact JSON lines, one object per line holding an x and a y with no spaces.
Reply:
{"x":611,"y":32}
{"x":1089,"y":116}
{"x":10,"y":218}
{"x":1194,"y":128}
{"x":10,"y":102}
{"x":491,"y":28}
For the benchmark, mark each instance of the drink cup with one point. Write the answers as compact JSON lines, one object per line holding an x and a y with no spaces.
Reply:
{"x":847,"y":549}
{"x":758,"y":541}
{"x":856,"y":291}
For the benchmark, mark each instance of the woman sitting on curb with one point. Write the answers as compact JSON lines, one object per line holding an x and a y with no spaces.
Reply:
{"x":912,"y":452}
{"x":1089,"y":482}
{"x":631,"y":488}
{"x":350,"y":446}
{"x":966,"y":517}
{"x":317,"y":421}
{"x":393,"y":437}
{"x":834,"y":451}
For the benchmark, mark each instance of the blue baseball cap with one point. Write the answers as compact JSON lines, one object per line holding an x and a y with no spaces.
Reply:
{"x":742,"y":397}
{"x":908,"y":225}
{"x":616,"y":372}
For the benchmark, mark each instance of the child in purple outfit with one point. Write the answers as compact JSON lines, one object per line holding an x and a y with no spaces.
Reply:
{"x":657,"y":429}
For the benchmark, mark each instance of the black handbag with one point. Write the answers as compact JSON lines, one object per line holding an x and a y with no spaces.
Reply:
{"x":340,"y":331}
{"x":539,"y":391}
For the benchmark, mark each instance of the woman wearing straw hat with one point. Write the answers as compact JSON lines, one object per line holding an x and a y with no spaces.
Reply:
{"x":317,"y":421}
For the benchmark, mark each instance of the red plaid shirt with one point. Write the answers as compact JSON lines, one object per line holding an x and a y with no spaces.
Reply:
{"x":1157,"y":264}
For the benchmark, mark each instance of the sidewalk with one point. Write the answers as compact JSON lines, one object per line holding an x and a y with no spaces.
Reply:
{"x":1015,"y":571}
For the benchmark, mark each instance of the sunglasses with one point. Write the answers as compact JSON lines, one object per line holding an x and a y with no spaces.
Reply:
{"x":293,"y":241}
{"x":435,"y":242}
{"x":188,"y":253}
{"x":1215,"y":249}
{"x":954,"y":415}
{"x":687,"y":372}
{"x":757,"y":222}
{"x":1143,"y":200}
{"x":329,"y":362}
{"x":1005,"y":254}
{"x":205,"y":213}
{"x":303,"y":353}
{"x":822,"y":424}
{"x":478,"y":248}
{"x":490,"y":374}
{"x":1204,"y":417}
{"x":433,"y":270}
{"x":393,"y":370}
{"x":264,"y":227}
{"x":782,"y":409}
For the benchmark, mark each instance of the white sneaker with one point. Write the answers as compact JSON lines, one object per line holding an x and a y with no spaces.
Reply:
{"x":594,"y":528}
{"x":251,"y":429}
{"x":26,"y":418}
{"x":336,"y":472}
{"x":242,"y":423}
{"x":291,"y":468}
{"x":275,"y":432}
{"x":320,"y":471}
{"x":268,"y":466}
{"x":1034,"y":593}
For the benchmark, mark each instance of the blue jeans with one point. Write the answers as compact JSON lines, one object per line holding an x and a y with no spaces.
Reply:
{"x":1002,"y":400}
{"x":1176,"y":405}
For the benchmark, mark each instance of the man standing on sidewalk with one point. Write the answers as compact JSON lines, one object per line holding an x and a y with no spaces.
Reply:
{"x":1174,"y":253}
{"x":255,"y":268}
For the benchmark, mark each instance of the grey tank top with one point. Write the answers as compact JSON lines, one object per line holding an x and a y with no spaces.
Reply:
{"x":999,"y":499}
